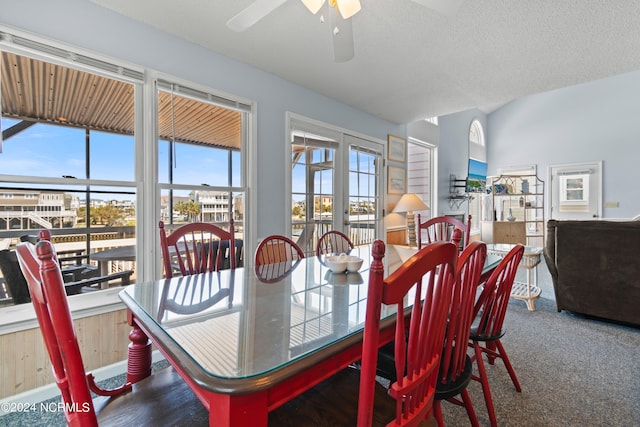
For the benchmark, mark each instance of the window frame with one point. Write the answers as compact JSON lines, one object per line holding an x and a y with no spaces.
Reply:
{"x":478,"y":151}
{"x":145,"y":180}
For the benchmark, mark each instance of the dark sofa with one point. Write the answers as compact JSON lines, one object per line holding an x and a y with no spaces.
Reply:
{"x":595,"y":267}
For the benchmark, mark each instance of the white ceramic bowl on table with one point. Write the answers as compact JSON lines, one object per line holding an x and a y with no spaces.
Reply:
{"x":342,"y":262}
{"x":337,"y":264}
{"x":354,"y":263}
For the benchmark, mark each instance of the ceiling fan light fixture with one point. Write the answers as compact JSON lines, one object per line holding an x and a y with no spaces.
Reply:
{"x":348,"y":8}
{"x":313,"y":5}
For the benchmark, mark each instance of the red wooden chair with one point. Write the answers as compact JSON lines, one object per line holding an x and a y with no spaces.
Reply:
{"x":274,"y":249}
{"x":197,"y":247}
{"x":159,"y":399}
{"x":489,"y":312}
{"x":441,"y":228}
{"x":354,"y":395}
{"x":455,"y":367}
{"x":333,"y":242}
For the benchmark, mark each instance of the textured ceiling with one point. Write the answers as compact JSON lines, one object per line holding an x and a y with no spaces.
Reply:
{"x":411,"y":62}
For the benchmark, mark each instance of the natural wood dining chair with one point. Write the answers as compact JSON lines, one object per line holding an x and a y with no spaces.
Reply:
{"x":440,"y":228}
{"x":333,"y":242}
{"x":197,"y":247}
{"x":161,"y":399}
{"x":276,"y":248}
{"x":489,"y":313}
{"x":455,"y":367}
{"x":354,"y":397}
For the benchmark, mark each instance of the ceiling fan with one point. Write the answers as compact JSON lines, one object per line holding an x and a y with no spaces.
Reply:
{"x":339,"y":13}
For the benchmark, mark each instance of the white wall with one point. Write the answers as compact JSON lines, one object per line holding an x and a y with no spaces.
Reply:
{"x":83,"y":24}
{"x":583,"y":123}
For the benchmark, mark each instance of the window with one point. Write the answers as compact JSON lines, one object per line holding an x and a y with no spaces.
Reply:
{"x":477,"y":151}
{"x":575,"y":188}
{"x":68,"y":155}
{"x":476,"y":134}
{"x":199,"y":158}
{"x":574,"y":192}
{"x":420,"y":173}
{"x":60,"y":167}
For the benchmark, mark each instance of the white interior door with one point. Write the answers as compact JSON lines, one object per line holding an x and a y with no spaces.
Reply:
{"x":575,"y":191}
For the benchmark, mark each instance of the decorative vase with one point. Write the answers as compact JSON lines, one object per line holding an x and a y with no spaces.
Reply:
{"x":510,"y":216}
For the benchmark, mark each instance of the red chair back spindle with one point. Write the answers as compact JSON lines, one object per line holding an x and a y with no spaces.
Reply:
{"x":333,"y":242}
{"x":470,"y":264}
{"x":276,"y":248}
{"x":197,"y":248}
{"x":441,"y":228}
{"x":427,"y":277}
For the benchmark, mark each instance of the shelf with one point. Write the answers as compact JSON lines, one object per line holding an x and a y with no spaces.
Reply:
{"x":457,"y":192}
{"x":455,"y":184}
{"x":522,"y":196}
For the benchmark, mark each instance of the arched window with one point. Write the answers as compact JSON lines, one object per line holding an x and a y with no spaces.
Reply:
{"x":477,"y":151}
{"x":476,"y":133}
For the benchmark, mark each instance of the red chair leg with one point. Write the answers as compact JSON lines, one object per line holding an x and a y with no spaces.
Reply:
{"x":484,"y":381}
{"x":491,"y":353}
{"x":507,"y":363}
{"x":437,"y":411}
{"x":469,"y":407}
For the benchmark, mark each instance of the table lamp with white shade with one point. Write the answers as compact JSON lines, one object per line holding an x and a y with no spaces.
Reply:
{"x":409,"y":203}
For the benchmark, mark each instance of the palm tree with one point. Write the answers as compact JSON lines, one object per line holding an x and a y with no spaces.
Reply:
{"x":190,"y":208}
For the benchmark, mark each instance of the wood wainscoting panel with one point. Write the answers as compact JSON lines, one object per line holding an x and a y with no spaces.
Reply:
{"x":397,"y":237}
{"x":25,"y":362}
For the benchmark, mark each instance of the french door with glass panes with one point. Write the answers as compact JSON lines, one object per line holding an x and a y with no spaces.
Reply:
{"x":335,"y":185}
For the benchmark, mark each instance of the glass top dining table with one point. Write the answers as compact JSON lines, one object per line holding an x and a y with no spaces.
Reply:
{"x":260,"y":334}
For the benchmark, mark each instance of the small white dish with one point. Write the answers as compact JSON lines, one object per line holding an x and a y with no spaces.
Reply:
{"x":337,"y":264}
{"x":354,"y":263}
{"x":342,"y":262}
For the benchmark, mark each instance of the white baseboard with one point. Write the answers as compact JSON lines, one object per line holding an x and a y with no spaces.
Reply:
{"x":49,"y":391}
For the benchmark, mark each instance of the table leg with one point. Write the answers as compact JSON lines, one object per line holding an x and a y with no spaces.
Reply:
{"x":238,"y":410}
{"x":104,"y":271}
{"x":104,"y":267}
{"x":139,"y":353}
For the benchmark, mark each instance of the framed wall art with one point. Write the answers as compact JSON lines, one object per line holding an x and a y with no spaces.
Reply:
{"x":396,"y":180}
{"x":396,"y":148}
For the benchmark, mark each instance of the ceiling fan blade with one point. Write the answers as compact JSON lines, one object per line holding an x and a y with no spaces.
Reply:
{"x":445,"y":7}
{"x":343,"y":49}
{"x":252,"y":14}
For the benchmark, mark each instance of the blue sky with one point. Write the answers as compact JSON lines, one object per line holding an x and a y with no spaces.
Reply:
{"x":57,"y":151}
